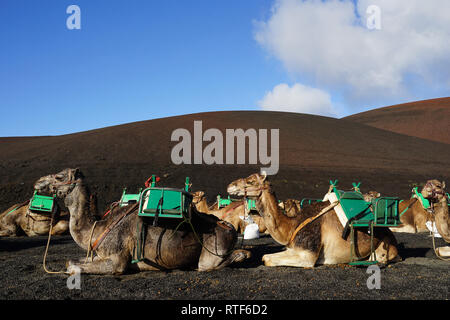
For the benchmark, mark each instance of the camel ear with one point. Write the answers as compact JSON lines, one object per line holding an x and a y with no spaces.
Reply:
{"x":264,"y":174}
{"x":77,"y":173}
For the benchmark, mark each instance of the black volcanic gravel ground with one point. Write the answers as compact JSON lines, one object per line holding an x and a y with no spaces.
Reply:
{"x":419,"y":276}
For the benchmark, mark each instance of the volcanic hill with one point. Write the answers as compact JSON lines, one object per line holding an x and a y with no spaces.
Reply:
{"x":312,"y":150}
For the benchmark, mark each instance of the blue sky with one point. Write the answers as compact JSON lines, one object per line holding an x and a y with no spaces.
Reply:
{"x":131,"y":61}
{"x":138,"y":60}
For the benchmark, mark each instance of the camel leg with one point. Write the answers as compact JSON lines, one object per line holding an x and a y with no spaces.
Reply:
{"x":404,"y":228}
{"x":291,"y":257}
{"x":217,"y":251}
{"x":386,"y":250}
{"x":6,"y":233}
{"x":60,"y":228}
{"x":235,"y":257}
{"x":8,"y":230}
{"x":114,"y":264}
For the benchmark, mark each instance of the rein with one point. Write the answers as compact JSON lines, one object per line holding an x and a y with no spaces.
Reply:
{"x":233,"y":207}
{"x":103,"y":235}
{"x":18,"y":207}
{"x":409,"y":206}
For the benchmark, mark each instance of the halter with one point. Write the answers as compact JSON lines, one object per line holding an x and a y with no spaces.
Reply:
{"x":434,"y":193}
{"x":252,"y":188}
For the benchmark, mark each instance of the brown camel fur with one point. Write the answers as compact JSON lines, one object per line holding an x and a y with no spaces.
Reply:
{"x":230,"y":213}
{"x":164,"y":248}
{"x":320,"y":241}
{"x":414,"y":219}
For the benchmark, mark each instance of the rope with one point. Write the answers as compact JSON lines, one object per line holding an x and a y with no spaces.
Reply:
{"x":89,"y":250}
{"x":408,"y":207}
{"x":434,"y":247}
{"x":19,"y":206}
{"x":46,"y":249}
{"x":309,"y":220}
{"x":188,"y":221}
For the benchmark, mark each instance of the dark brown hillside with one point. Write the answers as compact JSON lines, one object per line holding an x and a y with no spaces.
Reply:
{"x":313,"y":149}
{"x":427,"y":119}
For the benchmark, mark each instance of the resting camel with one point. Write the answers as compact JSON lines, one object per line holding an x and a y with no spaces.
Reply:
{"x":413,"y":215}
{"x":231,"y":213}
{"x":319,"y":242}
{"x":163,"y":248}
{"x":290,"y":207}
{"x":21,"y":221}
{"x":18,"y":220}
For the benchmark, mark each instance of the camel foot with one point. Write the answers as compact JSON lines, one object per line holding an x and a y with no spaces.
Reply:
{"x":404,"y":228}
{"x":240,"y":255}
{"x":73,"y":269}
{"x":443,"y":251}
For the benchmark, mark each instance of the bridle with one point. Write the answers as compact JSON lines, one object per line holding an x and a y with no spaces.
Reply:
{"x":434,"y":193}
{"x":259,"y":188}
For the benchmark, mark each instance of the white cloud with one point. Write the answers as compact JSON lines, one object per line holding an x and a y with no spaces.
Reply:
{"x":330,"y":45}
{"x":298,"y":98}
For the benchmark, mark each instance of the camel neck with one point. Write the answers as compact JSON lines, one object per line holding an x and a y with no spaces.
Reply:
{"x":278,"y":224}
{"x":442,"y":220}
{"x":203,"y":206}
{"x":81,"y":219}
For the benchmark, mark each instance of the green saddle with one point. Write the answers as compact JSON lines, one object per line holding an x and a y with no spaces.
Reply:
{"x":381,"y":211}
{"x":165,"y":202}
{"x":42,"y":204}
{"x":223,"y":202}
{"x":128,"y":198}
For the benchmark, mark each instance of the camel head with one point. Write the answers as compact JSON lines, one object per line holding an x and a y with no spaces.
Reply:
{"x":371,"y":195}
{"x":250,"y":187}
{"x":59,"y":184}
{"x":434,"y":190}
{"x":197,"y":197}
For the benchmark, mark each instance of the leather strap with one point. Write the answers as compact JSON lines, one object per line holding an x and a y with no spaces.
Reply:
{"x":311,"y":219}
{"x":100,"y":239}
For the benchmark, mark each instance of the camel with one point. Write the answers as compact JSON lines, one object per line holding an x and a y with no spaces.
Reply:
{"x":290,"y":207}
{"x":319,"y":242}
{"x":231,"y":213}
{"x":413,"y":215}
{"x":210,"y":247}
{"x":441,"y":219}
{"x":19,"y":220}
{"x":371,"y":195}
